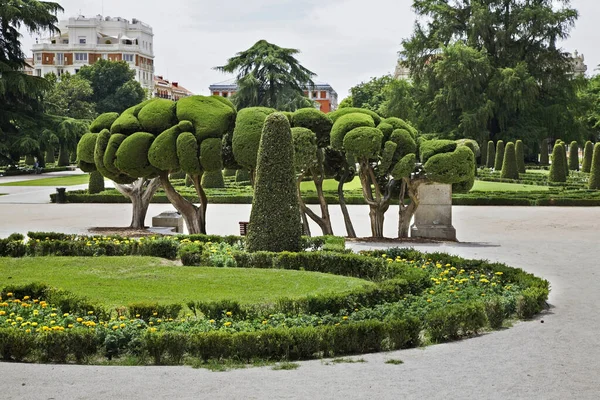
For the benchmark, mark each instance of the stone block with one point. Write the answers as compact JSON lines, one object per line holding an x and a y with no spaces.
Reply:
{"x":433,"y":218}
{"x":169,"y":219}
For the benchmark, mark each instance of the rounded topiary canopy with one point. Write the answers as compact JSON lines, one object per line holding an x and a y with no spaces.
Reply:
{"x":520,"y":155}
{"x":557,"y":169}
{"x":127,"y":123}
{"x":132,"y":156}
{"x":405,"y":142}
{"x":86,"y":146}
{"x":363,"y":142}
{"x":157,"y":116}
{"x":404,"y":167}
{"x":210,"y":116}
{"x":509,"y":164}
{"x":163,"y":152}
{"x":398,"y":123}
{"x":430,"y":148}
{"x":594,"y":182}
{"x":102,"y":145}
{"x":340,"y":112}
{"x":453,"y":167}
{"x":275,"y":217}
{"x":317,"y":121}
{"x":246,"y":135}
{"x":491,"y":154}
{"x":104,"y":121}
{"x":345,"y":124}
{"x":213,"y":180}
{"x":499,"y":155}
{"x":110,"y":155}
{"x":386,"y":129}
{"x":574,"y":156}
{"x":305,"y":147}
{"x":588,"y":153}
{"x":188,"y":153}
{"x":210,"y":155}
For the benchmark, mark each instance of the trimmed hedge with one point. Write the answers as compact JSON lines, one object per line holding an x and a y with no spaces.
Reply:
{"x":211,"y":158}
{"x":398,"y":123}
{"x":335,"y":115}
{"x":520,"y":155}
{"x":588,"y":153}
{"x":491,"y":154}
{"x":132,"y":156}
{"x":126,"y":124}
{"x":213,"y":179}
{"x":86,"y":147}
{"x":104,"y":121}
{"x":247,"y":133}
{"x":347,"y":123}
{"x":574,"y":156}
{"x":405,"y":141}
{"x":316,"y":121}
{"x":211,"y":117}
{"x":363,"y":142}
{"x":163,"y":152}
{"x":457,"y":166}
{"x":499,"y":155}
{"x":544,"y":158}
{"x":430,"y":148}
{"x":558,"y":168}
{"x":594,"y":182}
{"x":96,"y":183}
{"x":188,"y":153}
{"x":157,"y":116}
{"x":510,"y":169}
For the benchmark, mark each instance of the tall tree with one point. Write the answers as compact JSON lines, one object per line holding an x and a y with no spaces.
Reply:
{"x":71,"y":97}
{"x":370,"y":95}
{"x":269,"y":76}
{"x":114,"y":85}
{"x":492,"y":68}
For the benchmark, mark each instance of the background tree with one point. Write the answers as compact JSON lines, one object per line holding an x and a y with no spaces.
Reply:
{"x":594,"y":182}
{"x":588,"y":152}
{"x":269,"y":76}
{"x":574,"y":156}
{"x":370,"y":95}
{"x":114,"y":86}
{"x":71,"y":97}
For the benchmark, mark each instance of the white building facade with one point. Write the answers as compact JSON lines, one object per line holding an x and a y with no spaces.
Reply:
{"x":84,"y":41}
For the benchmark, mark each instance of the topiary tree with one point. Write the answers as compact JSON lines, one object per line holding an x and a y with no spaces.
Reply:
{"x":491,"y":154}
{"x":213,"y":180}
{"x":96,"y":183}
{"x":242,"y":175}
{"x":594,"y":182}
{"x":520,"y":155}
{"x":557,"y":168}
{"x":588,"y":153}
{"x":275,"y":216}
{"x":574,"y":156}
{"x":544,"y":159}
{"x":499,"y":155}
{"x":509,"y":164}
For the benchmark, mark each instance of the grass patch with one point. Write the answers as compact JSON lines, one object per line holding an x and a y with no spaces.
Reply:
{"x":285,"y":366}
{"x":394,"y":361}
{"x":58,"y":181}
{"x":506,"y":187}
{"x":331,"y":185}
{"x":346,"y":360}
{"x":538,"y":171}
{"x":118,"y":281}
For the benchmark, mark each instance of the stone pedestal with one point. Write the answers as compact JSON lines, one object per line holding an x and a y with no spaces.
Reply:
{"x":433,"y":218}
{"x":169,"y":219}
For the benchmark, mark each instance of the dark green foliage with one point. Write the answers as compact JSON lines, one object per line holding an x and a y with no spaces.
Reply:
{"x":126,"y":124}
{"x":363,"y":142}
{"x":104,"y":121}
{"x":86,"y":167}
{"x":275,"y":217}
{"x":398,"y":123}
{"x":454,"y":167}
{"x":594,"y":183}
{"x":163,"y":152}
{"x":188,"y":153}
{"x":110,"y":156}
{"x":335,"y":115}
{"x":520,"y":154}
{"x":132,"y":156}
{"x":491,"y":154}
{"x":566,"y":158}
{"x":405,"y":141}
{"x":455,"y":320}
{"x":483,"y":159}
{"x":404,"y":167}
{"x":315,"y":120}
{"x":544,"y":158}
{"x":387,"y":156}
{"x":464,"y":186}
{"x":96,"y":183}
{"x":102,"y":144}
{"x":345,"y":124}
{"x":430,"y":148}
{"x":499,"y":155}
{"x":157,"y":116}
{"x":86,"y":146}
{"x":210,"y":116}
{"x":509,"y":164}
{"x":557,"y":169}
{"x":213,"y":179}
{"x":246,"y":135}
{"x":305,"y":148}
{"x":387,"y":130}
{"x":210,"y":156}
{"x":229,"y":172}
{"x":588,"y":153}
{"x":574,"y":156}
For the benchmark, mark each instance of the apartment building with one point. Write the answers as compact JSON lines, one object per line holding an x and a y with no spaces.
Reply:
{"x":84,"y":41}
{"x":169,"y":90}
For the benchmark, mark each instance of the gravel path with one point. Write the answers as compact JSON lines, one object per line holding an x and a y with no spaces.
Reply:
{"x":556,"y":359}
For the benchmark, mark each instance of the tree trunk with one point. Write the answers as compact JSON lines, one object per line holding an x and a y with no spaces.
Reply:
{"x":193,"y":216}
{"x":63,"y":156}
{"x":50,"y":159}
{"x":379,"y":203}
{"x":305,"y":211}
{"x":325,"y":217}
{"x":347,"y":221}
{"x":407,"y":211}
{"x":305,"y":226}
{"x":140,"y":193}
{"x":377,"y":216}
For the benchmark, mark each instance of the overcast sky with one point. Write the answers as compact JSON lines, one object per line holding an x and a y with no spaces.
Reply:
{"x":344,"y":42}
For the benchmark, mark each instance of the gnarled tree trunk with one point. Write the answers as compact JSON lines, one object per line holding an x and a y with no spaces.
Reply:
{"x":347,"y":221}
{"x":194,"y":217}
{"x":378,"y":203}
{"x":140,"y":193}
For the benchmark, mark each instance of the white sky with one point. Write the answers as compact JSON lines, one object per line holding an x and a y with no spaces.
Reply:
{"x":344,"y":42}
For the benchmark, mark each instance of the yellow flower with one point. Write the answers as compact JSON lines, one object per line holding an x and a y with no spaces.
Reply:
{"x":79,"y":319}
{"x":26,"y":298}
{"x":122,"y":325}
{"x":9,"y":294}
{"x":155,"y":314}
{"x":34,"y":324}
{"x":70,"y":325}
{"x":228,"y":323}
{"x":152,"y":330}
{"x":28,"y":331}
{"x":19,"y":319}
{"x":229,"y":313}
{"x":65,"y":314}
{"x":344,"y":317}
{"x":115,"y":327}
{"x":264,"y":322}
{"x":429,"y":300}
{"x":212,"y":321}
{"x":2,"y":312}
{"x":498,"y":273}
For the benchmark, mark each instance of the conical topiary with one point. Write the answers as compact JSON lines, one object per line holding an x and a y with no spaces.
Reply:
{"x":594,"y":182}
{"x":566,"y":158}
{"x":483,"y":160}
{"x":557,"y":168}
{"x":491,"y":155}
{"x":588,"y":152}
{"x":96,"y":183}
{"x":520,"y":154}
{"x":275,"y":217}
{"x":544,"y":159}
{"x":574,"y":156}
{"x":509,"y":164}
{"x":499,"y":155}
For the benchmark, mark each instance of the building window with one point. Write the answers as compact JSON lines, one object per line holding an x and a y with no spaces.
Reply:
{"x":127,"y":57}
{"x":38,"y":58}
{"x":38,"y":72}
{"x":323,"y":94}
{"x":81,"y":57}
{"x":82,"y":40}
{"x":314,"y":95}
{"x":59,"y":72}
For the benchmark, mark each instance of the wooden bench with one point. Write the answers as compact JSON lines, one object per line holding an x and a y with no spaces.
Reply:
{"x":243,"y":228}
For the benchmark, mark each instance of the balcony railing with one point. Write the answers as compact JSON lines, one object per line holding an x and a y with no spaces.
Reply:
{"x":107,"y":48}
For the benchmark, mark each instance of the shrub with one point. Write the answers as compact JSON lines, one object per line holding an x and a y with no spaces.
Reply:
{"x":15,"y":345}
{"x":213,"y":180}
{"x":491,"y":154}
{"x":229,"y":172}
{"x":386,"y":129}
{"x":345,"y":124}
{"x":531,"y":301}
{"x":574,"y":156}
{"x":275,"y":217}
{"x":405,"y":141}
{"x":188,"y":153}
{"x":588,"y":153}
{"x":210,"y":116}
{"x":110,"y":154}
{"x":335,"y":115}
{"x":499,"y":155}
{"x":86,"y":146}
{"x":317,"y":121}
{"x":450,"y":322}
{"x":11,"y":247}
{"x":157,"y":116}
{"x":305,"y":148}
{"x":495,"y":313}
{"x":163,"y":151}
{"x":96,"y":183}
{"x":430,"y":148}
{"x":363,"y":142}
{"x":160,"y":247}
{"x":509,"y":164}
{"x":404,"y":167}
{"x":146,"y":311}
{"x":102,"y":144}
{"x":242,"y":175}
{"x":454,"y":167}
{"x":557,"y":169}
{"x":594,"y":182}
{"x":398,"y":123}
{"x":210,"y":156}
{"x":246,"y":135}
{"x":520,"y":155}
{"x":132,"y":156}
{"x":126,"y":124}
{"x":104,"y":121}
{"x":544,"y":159}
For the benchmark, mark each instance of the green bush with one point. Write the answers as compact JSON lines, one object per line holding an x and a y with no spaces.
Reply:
{"x":132,"y":156}
{"x":509,"y":164}
{"x":454,"y":167}
{"x":246,"y":135}
{"x":242,"y":175}
{"x":229,"y":172}
{"x":345,"y":124}
{"x":588,"y":152}
{"x":213,"y":179}
{"x":96,"y":183}
{"x":495,"y":312}
{"x":491,"y":154}
{"x":405,"y":141}
{"x":211,"y":158}
{"x":341,"y":112}
{"x":163,"y":152}
{"x":188,"y":153}
{"x":12,"y":247}
{"x":430,"y":148}
{"x":317,"y":121}
{"x":455,"y":320}
{"x":211,"y":117}
{"x":126,"y":124}
{"x":15,"y":345}
{"x":387,"y":130}
{"x":594,"y":182}
{"x":305,"y":148}
{"x":146,"y":311}
{"x":99,"y":153}
{"x":574,"y":156}
{"x":499,"y":155}
{"x":520,"y":154}
{"x":160,"y":247}
{"x":86,"y":146}
{"x":404,"y":167}
{"x":157,"y":116}
{"x":544,"y":158}
{"x":275,"y":217}
{"x":363,"y":142}
{"x":531,"y":301}
{"x":110,"y":154}
{"x":398,"y":123}
{"x":557,"y":169}
{"x":104,"y":121}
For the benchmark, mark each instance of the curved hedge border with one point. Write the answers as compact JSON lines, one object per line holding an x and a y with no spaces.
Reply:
{"x":317,"y":326}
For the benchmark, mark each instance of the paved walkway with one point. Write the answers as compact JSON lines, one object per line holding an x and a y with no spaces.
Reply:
{"x":556,"y":359}
{"x":34,"y":194}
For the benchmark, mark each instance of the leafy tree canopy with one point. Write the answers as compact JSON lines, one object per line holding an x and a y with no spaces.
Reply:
{"x":70,"y":97}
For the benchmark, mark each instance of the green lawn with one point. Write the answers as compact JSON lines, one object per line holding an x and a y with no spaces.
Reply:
{"x":59,"y":181}
{"x":331,"y":185}
{"x":538,"y":171}
{"x":508,"y":187}
{"x":118,"y":281}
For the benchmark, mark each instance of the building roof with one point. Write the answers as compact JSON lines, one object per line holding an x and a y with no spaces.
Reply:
{"x":231,"y":85}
